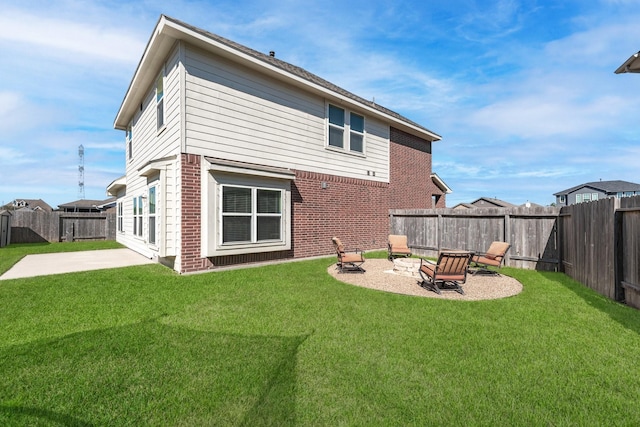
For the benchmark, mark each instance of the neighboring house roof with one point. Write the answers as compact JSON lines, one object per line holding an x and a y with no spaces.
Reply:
{"x":86,"y":204}
{"x":608,"y":187}
{"x":483,"y":202}
{"x":631,"y":65}
{"x":531,"y":205}
{"x":464,"y":206}
{"x":169,"y":30}
{"x":492,"y":201}
{"x":31,"y":204}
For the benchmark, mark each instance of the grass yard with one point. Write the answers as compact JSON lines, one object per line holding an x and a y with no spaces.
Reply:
{"x":288,"y":345}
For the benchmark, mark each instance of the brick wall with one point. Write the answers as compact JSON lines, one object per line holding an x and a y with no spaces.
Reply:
{"x":190,"y":222}
{"x":356,"y":210}
{"x":411,"y":186}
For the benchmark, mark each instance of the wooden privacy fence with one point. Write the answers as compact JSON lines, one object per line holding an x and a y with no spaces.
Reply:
{"x":532,"y":232}
{"x":36,"y":226}
{"x":595,"y":243}
{"x":601,"y":246}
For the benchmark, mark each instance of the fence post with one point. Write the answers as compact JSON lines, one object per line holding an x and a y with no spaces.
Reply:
{"x":618,"y":256}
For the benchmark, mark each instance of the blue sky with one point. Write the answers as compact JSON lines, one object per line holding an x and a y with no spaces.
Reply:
{"x":523,"y":93}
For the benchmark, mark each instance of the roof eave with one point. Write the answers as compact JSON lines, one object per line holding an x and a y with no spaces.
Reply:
{"x":167,"y":33}
{"x":631,"y":65}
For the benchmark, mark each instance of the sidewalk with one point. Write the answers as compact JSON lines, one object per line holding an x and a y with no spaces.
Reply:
{"x":68,"y":262}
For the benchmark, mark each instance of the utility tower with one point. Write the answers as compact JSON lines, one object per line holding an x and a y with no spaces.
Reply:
{"x":81,"y":172}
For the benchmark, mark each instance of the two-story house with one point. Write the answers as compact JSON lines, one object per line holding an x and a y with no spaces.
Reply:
{"x":592,"y":191}
{"x":235,"y":156}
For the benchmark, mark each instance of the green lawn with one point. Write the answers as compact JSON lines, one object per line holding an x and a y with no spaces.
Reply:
{"x":289,"y":345}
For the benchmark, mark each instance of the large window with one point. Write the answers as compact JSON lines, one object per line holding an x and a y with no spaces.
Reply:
{"x":160,"y":99}
{"x":137,"y":216}
{"x":346,"y":130}
{"x":152,"y":214}
{"x":251,"y":215}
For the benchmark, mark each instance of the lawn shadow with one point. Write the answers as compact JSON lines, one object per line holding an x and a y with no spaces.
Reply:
{"x":621,"y":313}
{"x":150,"y":373}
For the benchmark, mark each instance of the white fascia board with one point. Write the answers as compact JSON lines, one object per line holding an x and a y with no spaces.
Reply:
{"x":167,"y":33}
{"x":440,"y":183}
{"x":631,"y":65}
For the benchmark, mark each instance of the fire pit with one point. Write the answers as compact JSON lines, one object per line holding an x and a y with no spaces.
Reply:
{"x":407,"y":266}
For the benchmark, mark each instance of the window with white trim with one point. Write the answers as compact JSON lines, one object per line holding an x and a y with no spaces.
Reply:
{"x":137,"y":216}
{"x":345,"y":129}
{"x":120,"y":220}
{"x":160,"y":99}
{"x":251,"y":214}
{"x":578,"y":198}
{"x":152,"y":206}
{"x":594,"y":196}
{"x":129,"y":139}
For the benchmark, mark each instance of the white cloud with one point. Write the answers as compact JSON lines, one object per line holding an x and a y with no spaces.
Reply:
{"x":70,"y":37}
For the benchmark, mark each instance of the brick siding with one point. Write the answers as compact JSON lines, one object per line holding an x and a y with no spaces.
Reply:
{"x":356,"y":210}
{"x":411,"y":186}
{"x":191,"y":222}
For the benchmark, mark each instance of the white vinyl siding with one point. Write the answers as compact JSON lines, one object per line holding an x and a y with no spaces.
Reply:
{"x":238,"y":114}
{"x":150,"y":145}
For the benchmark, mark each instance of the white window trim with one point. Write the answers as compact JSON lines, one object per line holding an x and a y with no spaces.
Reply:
{"x":212,"y":211}
{"x":346,"y":131}
{"x":129,"y":140}
{"x":138,"y":218}
{"x":254,"y":215}
{"x":120,"y":217}
{"x":155,"y":215}
{"x":160,"y":101}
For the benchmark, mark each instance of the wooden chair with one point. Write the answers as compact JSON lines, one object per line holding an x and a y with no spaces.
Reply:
{"x":493,"y":257}
{"x":348,"y":261}
{"x":397,"y":245}
{"x":449,"y":272}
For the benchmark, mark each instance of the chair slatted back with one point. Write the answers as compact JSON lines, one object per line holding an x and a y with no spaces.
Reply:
{"x":452,"y":266}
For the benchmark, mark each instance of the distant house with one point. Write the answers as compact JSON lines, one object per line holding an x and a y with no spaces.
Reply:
{"x":484,"y":202}
{"x":234,"y":156}
{"x":85,"y":205}
{"x":37,"y":205}
{"x":596,"y":190}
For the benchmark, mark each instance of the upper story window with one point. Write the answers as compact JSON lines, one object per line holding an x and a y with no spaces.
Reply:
{"x":561,"y":199}
{"x":160,"y":99}
{"x":346,"y":130}
{"x":129,"y":139}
